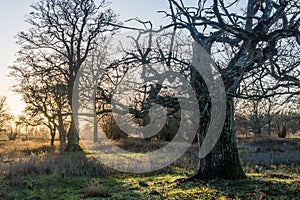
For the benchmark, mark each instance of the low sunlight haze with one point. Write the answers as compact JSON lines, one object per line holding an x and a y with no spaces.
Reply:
{"x":13,"y":13}
{"x":149,"y":99}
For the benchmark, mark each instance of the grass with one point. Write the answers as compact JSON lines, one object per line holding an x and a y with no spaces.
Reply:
{"x":31,"y":170}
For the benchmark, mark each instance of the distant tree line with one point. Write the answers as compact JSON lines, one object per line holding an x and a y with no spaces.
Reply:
{"x":274,"y":116}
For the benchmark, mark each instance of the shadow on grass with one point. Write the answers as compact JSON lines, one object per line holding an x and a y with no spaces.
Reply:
{"x":42,"y":173}
{"x":138,"y":187}
{"x":55,"y":187}
{"x":273,"y":186}
{"x":38,"y":170}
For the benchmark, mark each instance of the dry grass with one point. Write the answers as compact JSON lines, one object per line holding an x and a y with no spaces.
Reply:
{"x":20,"y":158}
{"x":96,"y":189}
{"x":269,"y":152}
{"x":34,"y":170}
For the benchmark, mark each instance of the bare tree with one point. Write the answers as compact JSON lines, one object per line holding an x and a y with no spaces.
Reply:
{"x":46,"y":100}
{"x":286,"y":118}
{"x":62,"y":34}
{"x":259,"y":42}
{"x":245,"y":43}
{"x":252,"y":115}
{"x":5,"y":116}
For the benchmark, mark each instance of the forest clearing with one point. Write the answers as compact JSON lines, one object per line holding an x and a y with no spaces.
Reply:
{"x":35,"y":170}
{"x":138,"y":100}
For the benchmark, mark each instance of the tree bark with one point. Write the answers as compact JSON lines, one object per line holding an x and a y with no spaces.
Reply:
{"x":73,"y":134}
{"x":52,"y":137}
{"x":73,"y":137}
{"x":223,"y":161}
{"x":95,"y":129}
{"x":62,"y":131}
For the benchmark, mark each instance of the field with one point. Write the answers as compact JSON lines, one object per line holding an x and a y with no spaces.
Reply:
{"x":34,"y":170}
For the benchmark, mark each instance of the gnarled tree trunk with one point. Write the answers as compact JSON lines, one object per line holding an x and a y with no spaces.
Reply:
{"x":223,"y":161}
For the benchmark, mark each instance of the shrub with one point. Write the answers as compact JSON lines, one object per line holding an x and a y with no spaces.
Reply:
{"x":95,"y":189}
{"x":110,"y":128}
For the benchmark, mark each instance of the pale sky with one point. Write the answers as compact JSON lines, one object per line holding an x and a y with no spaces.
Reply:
{"x":13,"y":12}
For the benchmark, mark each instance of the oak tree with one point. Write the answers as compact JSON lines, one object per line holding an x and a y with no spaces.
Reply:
{"x":61,"y":36}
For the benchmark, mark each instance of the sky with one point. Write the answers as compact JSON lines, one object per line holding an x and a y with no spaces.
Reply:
{"x":12,"y":15}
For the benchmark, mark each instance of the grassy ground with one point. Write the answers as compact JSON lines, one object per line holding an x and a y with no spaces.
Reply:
{"x":33,"y":170}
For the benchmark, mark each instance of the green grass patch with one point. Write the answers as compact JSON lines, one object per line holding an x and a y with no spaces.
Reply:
{"x":73,"y":176}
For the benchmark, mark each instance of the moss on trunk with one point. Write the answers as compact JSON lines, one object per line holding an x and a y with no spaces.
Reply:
{"x":223,"y":161}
